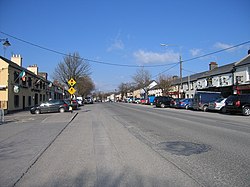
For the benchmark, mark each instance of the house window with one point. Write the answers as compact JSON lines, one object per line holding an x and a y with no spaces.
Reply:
{"x":16,"y":77}
{"x":29,"y":82}
{"x":16,"y":101}
{"x":41,"y":97}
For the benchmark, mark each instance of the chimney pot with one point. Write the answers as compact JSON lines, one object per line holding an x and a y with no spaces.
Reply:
{"x":213,"y":65}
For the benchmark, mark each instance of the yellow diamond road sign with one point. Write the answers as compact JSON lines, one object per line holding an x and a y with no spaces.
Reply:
{"x":71,"y":90}
{"x":71,"y":82}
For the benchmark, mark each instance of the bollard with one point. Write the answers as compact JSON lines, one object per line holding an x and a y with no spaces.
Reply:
{"x":1,"y":116}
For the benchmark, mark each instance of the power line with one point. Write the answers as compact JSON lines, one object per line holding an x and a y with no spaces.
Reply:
{"x":127,"y":65}
{"x":202,"y":56}
{"x":85,"y":59}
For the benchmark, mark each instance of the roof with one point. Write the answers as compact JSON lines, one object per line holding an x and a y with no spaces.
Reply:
{"x":14,"y":65}
{"x":243,"y":61}
{"x":216,"y":71}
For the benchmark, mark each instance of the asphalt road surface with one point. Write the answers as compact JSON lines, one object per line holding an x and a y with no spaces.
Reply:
{"x":119,"y":144}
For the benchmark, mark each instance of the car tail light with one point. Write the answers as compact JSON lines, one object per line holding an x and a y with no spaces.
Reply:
{"x":65,"y":105}
{"x":237,"y":103}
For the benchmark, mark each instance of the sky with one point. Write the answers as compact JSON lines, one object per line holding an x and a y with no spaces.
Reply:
{"x":127,"y":34}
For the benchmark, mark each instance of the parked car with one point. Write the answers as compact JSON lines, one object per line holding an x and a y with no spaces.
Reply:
{"x":73,"y":103}
{"x":50,"y":106}
{"x":184,"y":103}
{"x":174,"y":102}
{"x":238,"y":104}
{"x":218,"y":105}
{"x":163,"y":101}
{"x":202,"y":99}
{"x":137,"y":101}
{"x":88,"y":100}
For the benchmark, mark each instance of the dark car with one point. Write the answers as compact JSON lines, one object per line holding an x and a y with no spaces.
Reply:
{"x":184,"y":103}
{"x":88,"y":100}
{"x":50,"y":106}
{"x":202,"y":99}
{"x":238,"y":104}
{"x":175,"y":102}
{"x":73,"y":103}
{"x":162,"y":101}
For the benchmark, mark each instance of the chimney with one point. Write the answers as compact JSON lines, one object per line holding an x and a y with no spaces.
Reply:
{"x":213,"y":65}
{"x":44,"y":75}
{"x":33,"y":69}
{"x":17,"y":59}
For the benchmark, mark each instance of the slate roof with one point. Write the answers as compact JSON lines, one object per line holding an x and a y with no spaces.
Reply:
{"x":14,"y":65}
{"x":217,"y":71}
{"x":244,"y":61}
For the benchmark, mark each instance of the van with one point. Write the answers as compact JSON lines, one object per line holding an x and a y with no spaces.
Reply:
{"x":202,"y":99}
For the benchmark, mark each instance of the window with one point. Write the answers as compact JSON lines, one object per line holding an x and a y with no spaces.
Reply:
{"x":29,"y":82}
{"x":41,"y":97}
{"x":16,"y":101}
{"x":16,"y":77}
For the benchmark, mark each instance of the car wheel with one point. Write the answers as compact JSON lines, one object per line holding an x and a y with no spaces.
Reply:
{"x":61,"y":110}
{"x":162,"y":105}
{"x":186,"y":107}
{"x":205,"y":108}
{"x":223,"y":110}
{"x":246,"y":111}
{"x":37,"y":111}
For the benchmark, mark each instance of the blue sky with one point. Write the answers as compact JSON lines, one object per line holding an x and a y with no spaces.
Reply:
{"x":126,"y":32}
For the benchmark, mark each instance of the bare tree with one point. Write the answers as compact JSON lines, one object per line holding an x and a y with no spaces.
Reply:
{"x":142,"y":79}
{"x":84,"y":86}
{"x":124,"y":88}
{"x":164,"y":83}
{"x":72,"y":66}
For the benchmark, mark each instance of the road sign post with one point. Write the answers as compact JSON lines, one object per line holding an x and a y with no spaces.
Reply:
{"x":71,"y":90}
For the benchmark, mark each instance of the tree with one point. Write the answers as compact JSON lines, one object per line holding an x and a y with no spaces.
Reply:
{"x":124,"y":88}
{"x":142,"y":79}
{"x":72,"y":66}
{"x":84,"y":86}
{"x":164,"y":83}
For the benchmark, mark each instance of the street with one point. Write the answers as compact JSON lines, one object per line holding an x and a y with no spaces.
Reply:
{"x":122,"y":144}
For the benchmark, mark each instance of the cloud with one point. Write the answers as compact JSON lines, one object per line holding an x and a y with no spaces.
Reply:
{"x":116,"y":45}
{"x":220,"y":45}
{"x":148,"y":57}
{"x":195,"y":52}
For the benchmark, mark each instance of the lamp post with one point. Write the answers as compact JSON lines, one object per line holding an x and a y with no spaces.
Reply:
{"x":180,"y":61}
{"x":6,"y":44}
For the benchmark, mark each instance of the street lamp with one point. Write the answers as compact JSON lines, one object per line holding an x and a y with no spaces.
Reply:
{"x":180,"y":61}
{"x":6,"y":44}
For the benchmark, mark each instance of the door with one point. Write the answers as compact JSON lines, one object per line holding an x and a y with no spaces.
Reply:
{"x":23,"y":102}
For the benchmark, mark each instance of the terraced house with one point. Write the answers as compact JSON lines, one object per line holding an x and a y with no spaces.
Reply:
{"x":21,"y":88}
{"x":228,"y":79}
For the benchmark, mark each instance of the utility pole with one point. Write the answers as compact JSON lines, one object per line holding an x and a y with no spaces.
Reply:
{"x":181,"y":76}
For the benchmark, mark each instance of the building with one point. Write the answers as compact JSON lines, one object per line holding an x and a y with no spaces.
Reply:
{"x":228,"y":79}
{"x":22,"y":88}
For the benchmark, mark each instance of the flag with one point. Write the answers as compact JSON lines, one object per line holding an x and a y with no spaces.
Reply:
{"x":22,"y":75}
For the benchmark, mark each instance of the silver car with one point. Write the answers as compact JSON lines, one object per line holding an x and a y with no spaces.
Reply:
{"x":218,"y":105}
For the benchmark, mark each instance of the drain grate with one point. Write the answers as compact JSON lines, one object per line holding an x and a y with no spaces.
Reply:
{"x":183,"y":148}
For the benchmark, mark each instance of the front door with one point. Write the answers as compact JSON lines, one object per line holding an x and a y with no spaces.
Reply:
{"x":23,"y":102}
